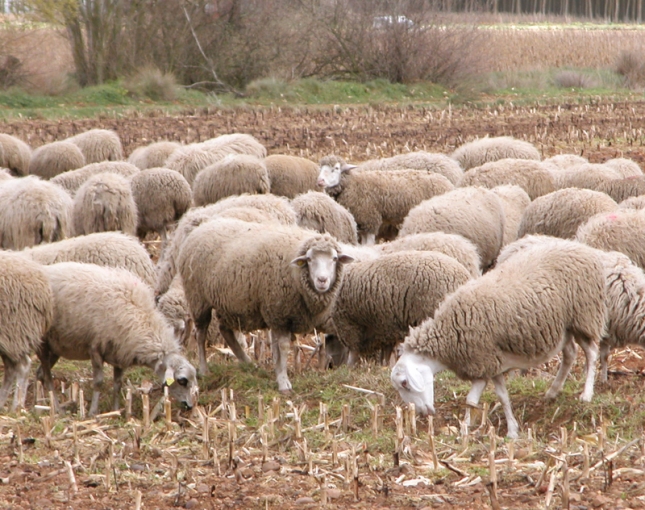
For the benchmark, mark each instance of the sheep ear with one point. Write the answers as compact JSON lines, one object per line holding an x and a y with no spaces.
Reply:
{"x":345,"y":259}
{"x":299,"y":261}
{"x":169,"y":377}
{"x":347,"y":167}
{"x":414,"y":377}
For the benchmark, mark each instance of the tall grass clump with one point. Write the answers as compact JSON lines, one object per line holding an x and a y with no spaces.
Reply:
{"x":631,"y":66}
{"x":152,"y":83}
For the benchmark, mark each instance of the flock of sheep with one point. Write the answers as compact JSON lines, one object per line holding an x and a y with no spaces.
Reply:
{"x":479,"y":262}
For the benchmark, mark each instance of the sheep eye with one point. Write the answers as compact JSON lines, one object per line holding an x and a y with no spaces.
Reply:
{"x":404,"y":383}
{"x":182,"y":381}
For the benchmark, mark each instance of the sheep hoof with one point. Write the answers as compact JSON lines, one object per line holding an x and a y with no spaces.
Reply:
{"x":286,"y":391}
{"x":586,"y":398}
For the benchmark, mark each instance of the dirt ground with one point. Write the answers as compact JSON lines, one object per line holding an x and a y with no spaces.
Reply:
{"x":269,"y":459}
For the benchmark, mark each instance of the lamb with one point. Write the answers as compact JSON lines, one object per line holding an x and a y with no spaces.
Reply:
{"x":283,"y":278}
{"x":622,"y":230}
{"x":381,"y":299}
{"x":475,"y":213}
{"x":26,"y":313}
{"x":589,"y":176}
{"x":233,"y":175}
{"x":74,"y":179}
{"x":452,"y":245}
{"x":485,"y":150}
{"x":154,"y":155}
{"x":290,"y":175}
{"x":514,"y":201}
{"x":33,"y":212}
{"x":14,"y":155}
{"x":560,"y":213}
{"x":108,"y":249}
{"x":162,"y":196}
{"x":543,"y":299}
{"x":622,"y":189}
{"x":532,"y":176}
{"x":109,"y":315}
{"x":318,"y":211}
{"x":625,"y":167}
{"x":52,"y":159}
{"x":105,"y":203}
{"x":377,"y":199}
{"x":633,"y":203}
{"x":423,"y":161}
{"x":98,"y":145}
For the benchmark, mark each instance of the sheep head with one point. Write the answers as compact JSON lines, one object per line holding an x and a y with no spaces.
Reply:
{"x":321,"y":258}
{"x":331,"y":170}
{"x":180,"y":376}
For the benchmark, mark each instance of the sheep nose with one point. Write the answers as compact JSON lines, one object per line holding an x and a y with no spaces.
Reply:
{"x":186,"y":406}
{"x":322,"y":280}
{"x":321,"y":183}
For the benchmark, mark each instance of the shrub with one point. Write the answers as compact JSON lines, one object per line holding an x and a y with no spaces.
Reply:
{"x":568,"y":79}
{"x":631,"y":66}
{"x":152,"y":84}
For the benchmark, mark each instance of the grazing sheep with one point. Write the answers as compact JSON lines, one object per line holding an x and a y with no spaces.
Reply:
{"x":52,"y":159}
{"x":108,"y":315}
{"x":377,"y":198}
{"x":423,"y":161}
{"x":622,"y":230}
{"x":282,"y":278}
{"x":14,"y":155}
{"x":105,"y":203}
{"x":237,"y":143}
{"x":542,"y":299}
{"x":162,"y":196}
{"x":564,"y":161}
{"x":290,"y":175}
{"x":560,"y":213}
{"x":33,"y":212}
{"x":381,"y":299}
{"x":622,"y":189}
{"x":174,"y":307}
{"x":74,"y":179}
{"x":318,"y":211}
{"x":109,"y":249}
{"x":98,"y":145}
{"x":452,"y":245}
{"x":532,"y":176}
{"x":485,"y":150}
{"x":589,"y":176}
{"x":271,"y":209}
{"x":154,"y":155}
{"x":514,"y":201}
{"x":633,"y":203}
{"x":26,"y":313}
{"x":475,"y":213}
{"x":625,"y":167}
{"x":233,"y":175}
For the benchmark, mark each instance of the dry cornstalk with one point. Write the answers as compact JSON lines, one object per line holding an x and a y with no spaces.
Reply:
{"x":270,"y":423}
{"x":47,"y":425}
{"x":566,"y":495}
{"x":323,"y":491}
{"x":550,"y":489}
{"x":322,"y":351}
{"x":40,"y":392}
{"x":73,"y":488}
{"x":108,"y":468}
{"x":433,"y":450}
{"x":381,"y":396}
{"x":399,"y":428}
{"x":344,"y":418}
{"x":375,"y":417}
{"x":75,"y":442}
{"x":224,"y":403}
{"x":334,"y":453}
{"x":145,"y":404}
{"x":276,"y":409}
{"x":128,"y":404}
{"x":412,"y":418}
{"x":52,"y":406}
{"x":81,"y":404}
{"x":585,"y":461}
{"x":137,"y":500}
{"x":205,"y":437}
{"x":491,"y":460}
{"x":261,"y":408}
{"x":494,"y":502}
{"x":21,"y":454}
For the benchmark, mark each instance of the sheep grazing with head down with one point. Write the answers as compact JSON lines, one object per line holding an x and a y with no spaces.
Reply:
{"x":26,"y":313}
{"x":318,"y":211}
{"x":625,"y":167}
{"x":98,"y":145}
{"x":633,"y":203}
{"x":485,"y":150}
{"x":514,"y":201}
{"x":421,"y":160}
{"x":55,"y":158}
{"x":14,"y":155}
{"x":108,"y":315}
{"x":622,"y":189}
{"x":564,"y":161}
{"x":290,"y":175}
{"x":71,"y":181}
{"x":589,"y":176}
{"x":281,"y":278}
{"x":544,"y":300}
{"x":154,"y":155}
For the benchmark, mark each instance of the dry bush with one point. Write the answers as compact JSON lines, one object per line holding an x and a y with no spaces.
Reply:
{"x":573,"y":79}
{"x":631,"y":66}
{"x":151,"y":83}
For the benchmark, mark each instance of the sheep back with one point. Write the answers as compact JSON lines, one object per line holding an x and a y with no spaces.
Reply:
{"x":625,"y":167}
{"x":485,"y":150}
{"x":422,"y":161}
{"x":154,"y":155}
{"x":317,"y":211}
{"x":55,"y":158}
{"x":98,"y":145}
{"x":74,"y":179}
{"x":514,"y":201}
{"x":290,"y":175}
{"x":622,"y":189}
{"x":633,"y":203}
{"x":15,"y":155}
{"x":589,"y":176}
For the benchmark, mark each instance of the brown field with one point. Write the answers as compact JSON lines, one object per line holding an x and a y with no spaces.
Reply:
{"x":276,"y":454}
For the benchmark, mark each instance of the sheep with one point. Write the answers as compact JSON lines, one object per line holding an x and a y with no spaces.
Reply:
{"x":543,"y":299}
{"x":109,"y":315}
{"x":423,"y":161}
{"x":564,"y":161}
{"x":485,"y":150}
{"x":14,"y":155}
{"x":74,"y":179}
{"x":625,"y":167}
{"x":174,"y":307}
{"x":52,"y":159}
{"x":589,"y":176}
{"x":560,"y":213}
{"x":290,"y":175}
{"x":26,"y":313}
{"x":104,"y":203}
{"x":162,"y":196}
{"x":109,"y":249}
{"x":377,"y":198}
{"x":271,"y":209}
{"x":452,"y":245}
{"x":514,"y":201}
{"x":318,"y":211}
{"x":283,"y":278}
{"x":381,"y":299}
{"x":475,"y":213}
{"x":33,"y":212}
{"x":532,"y":176}
{"x":633,"y":203}
{"x":154,"y":155}
{"x":237,"y":143}
{"x":622,"y":189}
{"x":622,"y":230}
{"x":98,"y":145}
{"x":233,"y":175}
{"x":5,"y":174}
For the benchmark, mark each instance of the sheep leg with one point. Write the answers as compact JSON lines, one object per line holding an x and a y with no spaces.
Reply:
{"x":10,"y":375}
{"x":569,"y":351}
{"x":368,"y":239}
{"x":604,"y":357}
{"x":47,"y":360}
{"x":280,"y":347}
{"x":591,"y":354}
{"x":475,"y":393}
{"x":200,"y":338}
{"x":118,"y":384}
{"x":22,"y":383}
{"x":231,"y":340}
{"x":352,"y":358}
{"x":502,"y":395}
{"x":97,"y":382}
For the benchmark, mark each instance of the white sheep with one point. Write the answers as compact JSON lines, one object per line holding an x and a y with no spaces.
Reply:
{"x":484,"y":150}
{"x":154,"y":155}
{"x":290,"y":175}
{"x":49,"y":160}
{"x":318,"y":211}
{"x":514,"y":201}
{"x":14,"y":155}
{"x":108,"y":315}
{"x":590,"y":176}
{"x":633,"y":203}
{"x":622,"y":189}
{"x":98,"y":145}
{"x":74,"y":179}
{"x":421,"y":160}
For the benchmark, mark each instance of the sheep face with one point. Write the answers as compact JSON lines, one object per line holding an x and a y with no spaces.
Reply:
{"x":181,"y":378}
{"x":330,"y":174}
{"x":321,"y":263}
{"x":413,"y":378}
